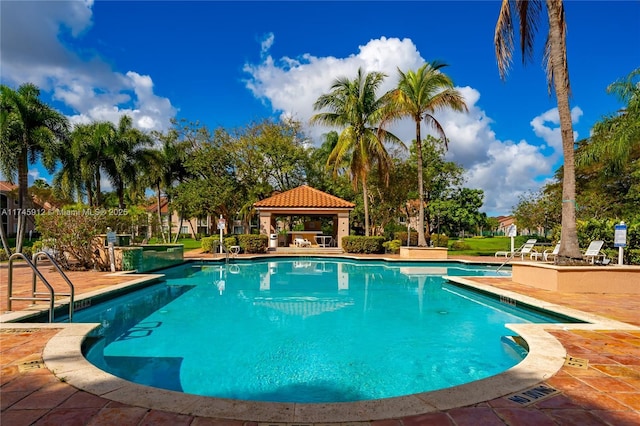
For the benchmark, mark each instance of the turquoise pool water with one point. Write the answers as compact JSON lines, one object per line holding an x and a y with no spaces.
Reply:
{"x":305,"y":330}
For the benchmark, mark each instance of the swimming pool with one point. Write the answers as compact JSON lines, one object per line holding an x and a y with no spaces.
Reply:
{"x":306,"y":330}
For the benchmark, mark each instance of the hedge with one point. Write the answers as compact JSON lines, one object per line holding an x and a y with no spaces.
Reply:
{"x":253,"y":243}
{"x":207,"y":244}
{"x":212,"y":244}
{"x":358,"y":244}
{"x":392,"y":246}
{"x":402,"y":236}
{"x":439,"y":240}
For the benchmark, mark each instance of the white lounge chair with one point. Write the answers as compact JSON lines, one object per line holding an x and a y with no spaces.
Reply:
{"x":301,"y":242}
{"x":593,"y":253}
{"x":547,"y":255}
{"x":526,"y":248}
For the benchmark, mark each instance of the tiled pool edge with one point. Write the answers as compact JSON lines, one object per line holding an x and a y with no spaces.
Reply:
{"x":63,"y":356}
{"x":139,"y":280}
{"x":591,"y":321}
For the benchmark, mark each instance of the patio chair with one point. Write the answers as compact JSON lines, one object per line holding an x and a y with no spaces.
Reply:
{"x":547,"y":255}
{"x":526,"y":248}
{"x":301,"y":242}
{"x":593,"y":253}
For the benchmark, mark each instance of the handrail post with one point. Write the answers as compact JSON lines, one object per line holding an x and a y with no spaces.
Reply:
{"x":36,"y":271}
{"x":10,"y":283}
{"x":35,"y":258}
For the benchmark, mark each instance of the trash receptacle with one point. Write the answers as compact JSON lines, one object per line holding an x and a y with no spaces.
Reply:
{"x":273,"y":241}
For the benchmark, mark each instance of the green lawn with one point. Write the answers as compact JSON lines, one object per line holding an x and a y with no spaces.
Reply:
{"x":483,"y":246}
{"x":189,"y":243}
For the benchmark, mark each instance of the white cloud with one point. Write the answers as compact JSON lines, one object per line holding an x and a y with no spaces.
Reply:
{"x":33,"y":50}
{"x":34,"y":174}
{"x":552,"y":135}
{"x":503,"y":169}
{"x":291,"y":85}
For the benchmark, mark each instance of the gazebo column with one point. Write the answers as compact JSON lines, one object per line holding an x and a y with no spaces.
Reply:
{"x":265,"y":223}
{"x":343,"y":227}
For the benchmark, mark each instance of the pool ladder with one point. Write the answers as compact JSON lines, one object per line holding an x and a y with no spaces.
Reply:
{"x":226,"y":253}
{"x":49,"y":296}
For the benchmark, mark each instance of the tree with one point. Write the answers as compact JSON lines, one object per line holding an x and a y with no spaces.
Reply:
{"x":211,"y":187}
{"x":419,"y":95}
{"x":459,"y":211}
{"x":555,"y":58}
{"x":355,"y":107}
{"x":31,"y":130}
{"x":615,"y":138}
{"x":126,"y":152}
{"x":165,"y":168}
{"x":439,"y":176}
{"x":388,"y":200}
{"x":83,"y":160}
{"x":539,"y":210}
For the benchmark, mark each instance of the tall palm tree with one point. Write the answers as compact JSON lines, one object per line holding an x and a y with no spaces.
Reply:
{"x":615,"y":137}
{"x":555,"y":57}
{"x":419,"y":95}
{"x":354,"y":106}
{"x":164,"y":168}
{"x":88,"y":157}
{"x":32,"y":130}
{"x":125,"y":152}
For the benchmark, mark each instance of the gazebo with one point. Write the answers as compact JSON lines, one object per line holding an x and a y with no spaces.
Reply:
{"x":305,"y":201}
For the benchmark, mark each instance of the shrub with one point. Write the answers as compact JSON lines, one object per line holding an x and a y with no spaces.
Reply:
{"x":253,"y":243}
{"x":392,"y":246}
{"x":460,"y":245}
{"x":632,"y":257}
{"x":74,"y":239}
{"x":37,"y":246}
{"x":207,"y":244}
{"x":439,"y":240}
{"x":402,"y":236}
{"x":27,"y":251}
{"x":604,"y":229}
{"x":359,"y":244}
{"x":3,"y":255}
{"x":230,"y":241}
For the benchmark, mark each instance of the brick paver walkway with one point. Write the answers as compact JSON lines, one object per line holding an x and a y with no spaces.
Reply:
{"x":607,"y":392}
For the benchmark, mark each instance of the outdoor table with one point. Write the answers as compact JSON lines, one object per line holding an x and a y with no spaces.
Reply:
{"x":323,"y":240}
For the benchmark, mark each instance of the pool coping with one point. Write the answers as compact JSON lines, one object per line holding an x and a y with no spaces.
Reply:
{"x":63,"y":357}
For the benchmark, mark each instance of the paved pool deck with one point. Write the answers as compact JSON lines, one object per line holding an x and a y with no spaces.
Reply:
{"x":602,"y":387}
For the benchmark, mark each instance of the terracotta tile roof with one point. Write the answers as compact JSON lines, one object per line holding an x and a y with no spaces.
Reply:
{"x":6,"y":186}
{"x":304,"y":197}
{"x":164,"y":206}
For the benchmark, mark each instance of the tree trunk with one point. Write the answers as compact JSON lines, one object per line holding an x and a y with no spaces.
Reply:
{"x":23,"y":184}
{"x":98,"y":197}
{"x":3,"y":237}
{"x":569,"y":246}
{"x":88,"y":184}
{"x":422,"y":241}
{"x":175,"y":240}
{"x":121,"y":195}
{"x":365,"y":195}
{"x":164,"y":240}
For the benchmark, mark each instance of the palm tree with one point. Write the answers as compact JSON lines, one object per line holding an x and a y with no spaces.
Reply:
{"x":355,"y":107}
{"x":32,"y":130}
{"x":88,"y":157}
{"x":164,"y":168}
{"x":125,"y":152}
{"x":617,"y":136}
{"x":555,"y":57}
{"x":419,"y":95}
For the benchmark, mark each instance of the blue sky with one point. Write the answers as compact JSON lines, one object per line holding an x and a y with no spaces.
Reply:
{"x":229,"y":63}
